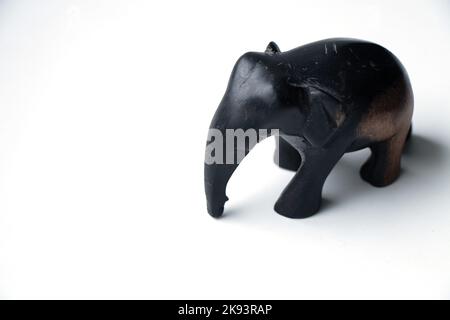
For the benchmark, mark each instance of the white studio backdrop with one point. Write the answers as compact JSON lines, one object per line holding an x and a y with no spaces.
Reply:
{"x":104,"y":111}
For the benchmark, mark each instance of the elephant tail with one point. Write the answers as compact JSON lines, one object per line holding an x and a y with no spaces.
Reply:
{"x":408,"y":137}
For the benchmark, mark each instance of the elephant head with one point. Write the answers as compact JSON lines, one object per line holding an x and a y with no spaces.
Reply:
{"x":265,"y":95}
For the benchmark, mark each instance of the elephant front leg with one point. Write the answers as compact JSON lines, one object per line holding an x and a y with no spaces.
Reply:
{"x":303,"y":195}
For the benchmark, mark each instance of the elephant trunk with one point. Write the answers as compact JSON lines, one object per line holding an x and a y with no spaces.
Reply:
{"x":229,"y":140}
{"x":216,"y":179}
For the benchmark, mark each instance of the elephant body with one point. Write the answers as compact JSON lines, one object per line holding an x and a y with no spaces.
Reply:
{"x":325,"y":98}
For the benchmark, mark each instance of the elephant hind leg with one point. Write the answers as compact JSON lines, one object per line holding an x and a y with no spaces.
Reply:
{"x":286,"y":156}
{"x":383,"y":166}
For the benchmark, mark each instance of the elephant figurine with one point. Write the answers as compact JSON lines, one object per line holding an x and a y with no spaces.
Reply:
{"x":322,"y":99}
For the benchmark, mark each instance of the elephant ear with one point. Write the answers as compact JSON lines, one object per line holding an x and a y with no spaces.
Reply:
{"x":324,"y":115}
{"x":272,"y":48}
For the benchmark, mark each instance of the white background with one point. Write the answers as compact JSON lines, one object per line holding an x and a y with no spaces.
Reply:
{"x":104,"y":111}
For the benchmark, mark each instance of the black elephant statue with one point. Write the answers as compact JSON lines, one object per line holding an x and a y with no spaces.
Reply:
{"x":322,"y":99}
